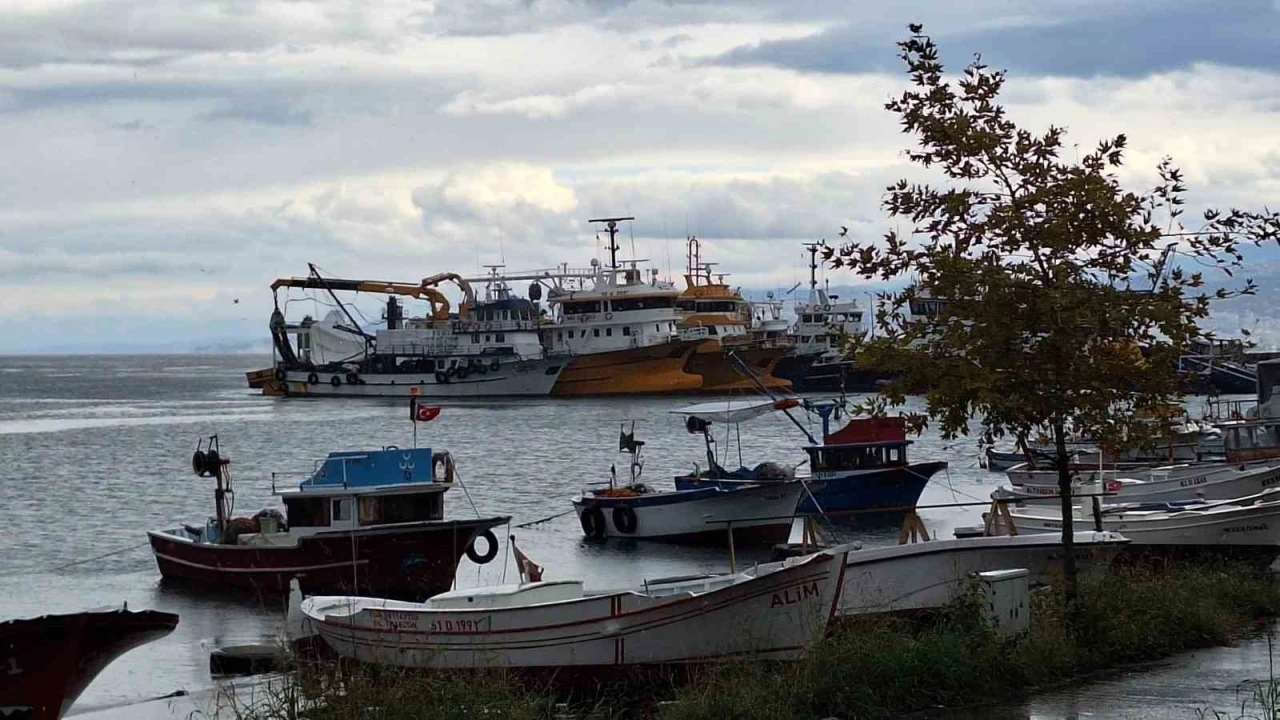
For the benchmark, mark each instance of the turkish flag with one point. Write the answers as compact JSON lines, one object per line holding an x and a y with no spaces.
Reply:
{"x":423,"y":413}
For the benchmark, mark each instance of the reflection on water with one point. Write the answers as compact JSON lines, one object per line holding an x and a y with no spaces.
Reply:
{"x":94,"y":451}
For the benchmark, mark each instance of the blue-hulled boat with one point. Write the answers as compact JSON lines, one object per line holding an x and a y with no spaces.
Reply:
{"x":759,"y":514}
{"x":861,"y":467}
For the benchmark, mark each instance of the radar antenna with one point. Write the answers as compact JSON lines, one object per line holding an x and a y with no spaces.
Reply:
{"x":611,"y":226}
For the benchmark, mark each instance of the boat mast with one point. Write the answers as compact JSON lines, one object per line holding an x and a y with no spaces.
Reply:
{"x":611,"y":226}
{"x":813,"y":271}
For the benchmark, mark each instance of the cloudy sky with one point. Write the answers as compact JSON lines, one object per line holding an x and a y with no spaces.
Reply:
{"x":164,"y":159}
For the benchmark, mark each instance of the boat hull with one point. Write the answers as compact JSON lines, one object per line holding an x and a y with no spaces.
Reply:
{"x":652,"y":370}
{"x":760,"y":515}
{"x":1249,"y":530}
{"x":892,"y":489}
{"x":807,"y":376}
{"x":49,"y":661}
{"x":259,"y":379}
{"x":720,"y":373}
{"x":511,"y":379}
{"x":1222,"y":482}
{"x":922,"y":576}
{"x":409,"y":561}
{"x":773,"y":616}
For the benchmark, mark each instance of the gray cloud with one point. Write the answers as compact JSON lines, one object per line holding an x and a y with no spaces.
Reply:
{"x":1131,"y":40}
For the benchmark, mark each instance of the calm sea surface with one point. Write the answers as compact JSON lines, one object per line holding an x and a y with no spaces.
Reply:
{"x":94,"y":451}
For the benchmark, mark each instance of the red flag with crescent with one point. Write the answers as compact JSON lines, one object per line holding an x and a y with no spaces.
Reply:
{"x":423,"y":413}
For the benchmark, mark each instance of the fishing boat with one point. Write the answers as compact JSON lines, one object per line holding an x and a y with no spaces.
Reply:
{"x":770,"y":614}
{"x":47,"y":662}
{"x":617,"y":327}
{"x":489,"y":347}
{"x":929,"y":575}
{"x":824,"y":326}
{"x":758,"y":515}
{"x":1247,"y":526}
{"x":1206,"y":481}
{"x":861,"y":467}
{"x":728,"y":357}
{"x":362,"y":522}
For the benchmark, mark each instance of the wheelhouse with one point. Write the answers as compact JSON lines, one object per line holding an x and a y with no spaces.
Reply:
{"x":857,"y":456}
{"x":363,"y":489}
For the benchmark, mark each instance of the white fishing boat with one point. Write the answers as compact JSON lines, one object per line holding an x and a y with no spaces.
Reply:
{"x":1248,"y":522}
{"x":1210,"y":481}
{"x":488,"y":348}
{"x":770,"y":614}
{"x":759,"y":514}
{"x":928,"y":575}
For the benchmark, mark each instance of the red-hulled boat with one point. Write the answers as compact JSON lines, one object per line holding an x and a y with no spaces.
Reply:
{"x":364,"y":523}
{"x":46,"y":662}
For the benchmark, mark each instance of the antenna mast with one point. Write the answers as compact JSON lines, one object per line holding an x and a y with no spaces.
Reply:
{"x":813,"y":269}
{"x":611,"y":226}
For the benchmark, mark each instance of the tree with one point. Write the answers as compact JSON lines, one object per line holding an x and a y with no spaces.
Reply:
{"x":1054,"y":311}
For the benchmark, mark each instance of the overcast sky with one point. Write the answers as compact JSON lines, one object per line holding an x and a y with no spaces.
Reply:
{"x":164,"y":159}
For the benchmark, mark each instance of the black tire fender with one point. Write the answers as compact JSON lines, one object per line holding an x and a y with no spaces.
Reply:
{"x":335,"y":381}
{"x":490,"y":551}
{"x":592,"y":520}
{"x":624,"y":518}
{"x":312,"y":378}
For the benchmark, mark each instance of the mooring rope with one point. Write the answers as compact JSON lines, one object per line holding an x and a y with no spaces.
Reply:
{"x":545,"y":519}
{"x":99,"y":557}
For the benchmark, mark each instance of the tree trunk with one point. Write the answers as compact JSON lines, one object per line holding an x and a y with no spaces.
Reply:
{"x":1068,"y":529}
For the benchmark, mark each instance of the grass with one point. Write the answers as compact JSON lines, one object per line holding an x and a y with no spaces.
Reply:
{"x":871,"y":668}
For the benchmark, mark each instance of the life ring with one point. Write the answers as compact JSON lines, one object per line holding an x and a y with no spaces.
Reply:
{"x":198,"y":463}
{"x":624,"y":518}
{"x":335,"y":381}
{"x":442,"y":377}
{"x":442,"y":466}
{"x":592,"y":520}
{"x":490,"y":551}
{"x":488,"y":326}
{"x":353,"y":379}
{"x":312,"y":378}
{"x":281,"y":374}
{"x":827,"y":308}
{"x":608,"y":316}
{"x":494,"y":364}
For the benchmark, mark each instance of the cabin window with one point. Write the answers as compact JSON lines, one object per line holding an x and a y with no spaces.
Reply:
{"x":595,"y":332}
{"x":687,"y":305}
{"x":341,"y":510}
{"x":570,"y":334}
{"x":581,"y":307}
{"x":712,"y":330}
{"x":560,"y":336}
{"x":501,"y":337}
{"x":487,"y":338}
{"x":475,"y":338}
{"x":306,"y":512}
{"x":717,"y":306}
{"x":626,"y":330}
{"x":657,"y":327}
{"x":370,"y":511}
{"x":608,"y":332}
{"x":412,"y":508}
{"x":641,"y":303}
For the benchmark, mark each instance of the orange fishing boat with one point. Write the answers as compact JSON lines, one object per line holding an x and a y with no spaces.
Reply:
{"x":718,"y":317}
